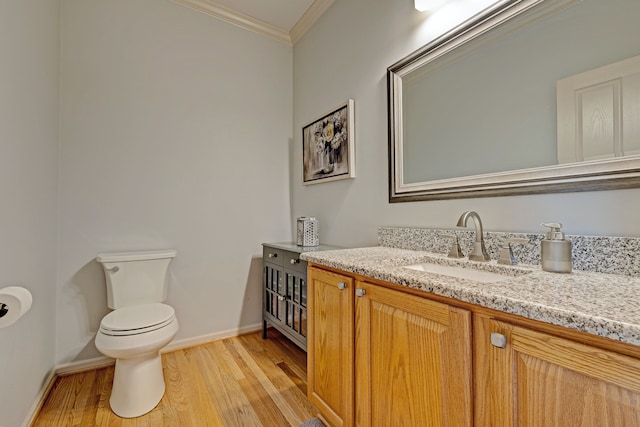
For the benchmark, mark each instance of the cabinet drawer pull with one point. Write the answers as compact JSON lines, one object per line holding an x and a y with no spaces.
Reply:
{"x":342,"y":286}
{"x":498,"y":340}
{"x":273,"y":255}
{"x":294,"y":261}
{"x":360,"y":292}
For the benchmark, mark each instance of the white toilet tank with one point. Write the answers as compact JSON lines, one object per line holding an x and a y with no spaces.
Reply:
{"x":135,"y":278}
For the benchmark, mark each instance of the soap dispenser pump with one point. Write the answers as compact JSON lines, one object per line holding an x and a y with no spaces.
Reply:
{"x":555,"y":250}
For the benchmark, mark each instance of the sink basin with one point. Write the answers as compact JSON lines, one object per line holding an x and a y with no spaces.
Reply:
{"x":459,"y":272}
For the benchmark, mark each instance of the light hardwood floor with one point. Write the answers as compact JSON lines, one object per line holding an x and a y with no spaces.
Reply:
{"x":240,"y":381}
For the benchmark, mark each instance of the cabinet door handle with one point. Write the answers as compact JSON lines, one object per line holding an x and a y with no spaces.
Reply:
{"x":342,"y":286}
{"x":273,"y":255}
{"x":498,"y":340}
{"x":360,"y":292}
{"x":294,"y":261}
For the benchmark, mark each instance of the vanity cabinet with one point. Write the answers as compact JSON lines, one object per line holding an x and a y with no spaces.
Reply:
{"x":526,"y":377}
{"x":380,"y":357}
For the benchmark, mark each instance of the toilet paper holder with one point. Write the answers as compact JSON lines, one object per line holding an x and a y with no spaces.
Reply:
{"x":15,"y":302}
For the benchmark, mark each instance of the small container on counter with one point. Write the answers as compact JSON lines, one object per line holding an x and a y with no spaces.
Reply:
{"x":555,"y":250}
{"x":307,"y":231}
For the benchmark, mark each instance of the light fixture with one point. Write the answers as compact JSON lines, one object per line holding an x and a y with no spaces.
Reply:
{"x":423,"y":5}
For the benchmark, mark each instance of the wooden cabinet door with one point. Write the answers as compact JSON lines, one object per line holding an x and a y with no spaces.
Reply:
{"x":330,"y":354}
{"x":413,"y":360}
{"x":541,"y":380}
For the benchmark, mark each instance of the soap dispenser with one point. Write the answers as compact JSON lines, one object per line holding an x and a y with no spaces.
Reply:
{"x":555,"y":250}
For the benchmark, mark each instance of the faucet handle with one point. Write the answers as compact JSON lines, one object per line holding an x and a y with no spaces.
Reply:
{"x":454,"y":251}
{"x":506,"y":254}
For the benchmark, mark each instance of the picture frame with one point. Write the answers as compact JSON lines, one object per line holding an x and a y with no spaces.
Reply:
{"x":328,"y":146}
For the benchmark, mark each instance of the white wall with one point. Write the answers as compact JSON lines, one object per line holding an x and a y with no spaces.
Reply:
{"x":175,"y":133}
{"x":346,"y":55}
{"x":28,"y":193}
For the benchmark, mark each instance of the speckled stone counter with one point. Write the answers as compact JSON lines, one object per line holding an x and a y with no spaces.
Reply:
{"x":600,"y":254}
{"x":602,"y":304}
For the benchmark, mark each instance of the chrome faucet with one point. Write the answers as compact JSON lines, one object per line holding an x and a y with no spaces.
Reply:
{"x":479,"y":252}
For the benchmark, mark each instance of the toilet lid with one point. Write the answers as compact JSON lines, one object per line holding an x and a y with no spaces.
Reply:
{"x":137,"y":319}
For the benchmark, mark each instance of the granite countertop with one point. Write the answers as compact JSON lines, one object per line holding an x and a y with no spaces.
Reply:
{"x":607,"y":305}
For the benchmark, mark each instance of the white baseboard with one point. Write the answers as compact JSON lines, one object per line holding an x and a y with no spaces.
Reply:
{"x":99,"y":362}
{"x":40,"y":397}
{"x":203,"y":339}
{"x":83,"y":365}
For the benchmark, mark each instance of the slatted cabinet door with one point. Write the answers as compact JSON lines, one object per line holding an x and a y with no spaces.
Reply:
{"x":274,"y":288}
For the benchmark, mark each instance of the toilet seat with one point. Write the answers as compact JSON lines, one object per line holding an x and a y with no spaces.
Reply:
{"x":137,"y":319}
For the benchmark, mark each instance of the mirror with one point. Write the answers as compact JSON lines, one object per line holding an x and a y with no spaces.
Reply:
{"x":473,"y":113}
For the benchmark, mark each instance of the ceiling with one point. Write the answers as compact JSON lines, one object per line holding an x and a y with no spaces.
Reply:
{"x":282,"y":20}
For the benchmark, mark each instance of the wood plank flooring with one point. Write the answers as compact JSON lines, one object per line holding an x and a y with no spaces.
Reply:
{"x":240,"y":381}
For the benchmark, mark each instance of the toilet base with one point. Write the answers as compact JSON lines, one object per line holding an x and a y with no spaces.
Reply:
{"x":138,"y":385}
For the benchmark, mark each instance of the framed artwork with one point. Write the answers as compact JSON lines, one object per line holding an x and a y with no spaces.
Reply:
{"x":328,"y":152}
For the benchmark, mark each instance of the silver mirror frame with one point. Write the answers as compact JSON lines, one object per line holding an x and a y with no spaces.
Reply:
{"x":615,"y":173}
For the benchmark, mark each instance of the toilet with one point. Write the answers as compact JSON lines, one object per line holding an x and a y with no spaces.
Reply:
{"x":139,"y":326}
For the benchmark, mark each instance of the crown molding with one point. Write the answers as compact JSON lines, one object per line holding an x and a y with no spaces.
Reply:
{"x":211,"y":8}
{"x":315,"y":11}
{"x":236,"y":18}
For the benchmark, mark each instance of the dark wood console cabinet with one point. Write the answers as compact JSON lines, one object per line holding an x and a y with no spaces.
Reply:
{"x":284,"y":298}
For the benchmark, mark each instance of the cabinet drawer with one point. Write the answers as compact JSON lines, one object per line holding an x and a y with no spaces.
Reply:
{"x":272,"y":255}
{"x":292,"y":261}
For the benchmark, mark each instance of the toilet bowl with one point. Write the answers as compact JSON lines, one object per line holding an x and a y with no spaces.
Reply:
{"x":134,"y":337}
{"x":137,"y":329}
